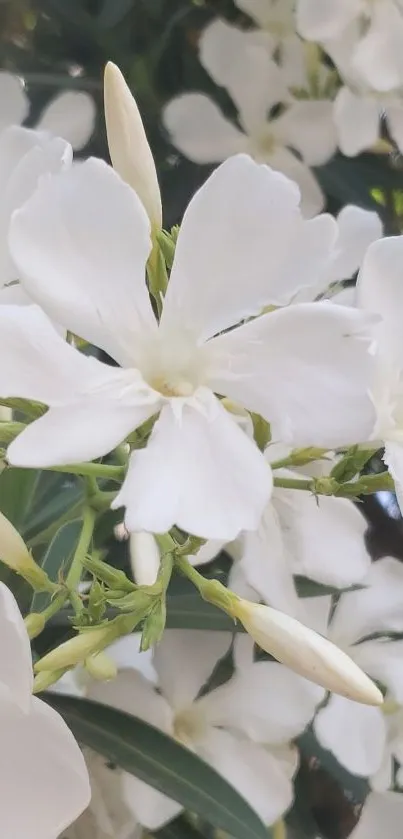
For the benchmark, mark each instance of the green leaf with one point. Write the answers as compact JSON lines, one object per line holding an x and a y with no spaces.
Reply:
{"x":160,"y":761}
{"x":60,"y":502}
{"x":17,"y":487}
{"x":189,"y":611}
{"x":309,"y":588}
{"x":57,"y":558}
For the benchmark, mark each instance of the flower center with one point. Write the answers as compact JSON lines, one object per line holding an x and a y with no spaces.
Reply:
{"x":189,"y":726}
{"x":262,"y":145}
{"x":173,"y":363}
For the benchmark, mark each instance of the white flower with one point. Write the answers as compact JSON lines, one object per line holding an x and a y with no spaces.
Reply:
{"x":70,"y":115}
{"x":241,"y":62}
{"x":358,"y":107}
{"x":44,"y":783}
{"x":81,"y":244}
{"x":377,"y":54}
{"x":380,"y":290}
{"x":263,"y":704}
{"x":317,"y":537}
{"x":356,"y":734}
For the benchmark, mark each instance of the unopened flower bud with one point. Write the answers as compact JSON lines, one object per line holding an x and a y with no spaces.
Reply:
{"x":15,"y":554}
{"x":34,"y":624}
{"x":306,"y":652}
{"x":128,"y":145}
{"x":76,"y":649}
{"x":144,"y":558}
{"x":101,"y":667}
{"x":45,"y":680}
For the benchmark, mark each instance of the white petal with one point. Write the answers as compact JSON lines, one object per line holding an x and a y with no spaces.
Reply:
{"x":126,"y":653}
{"x":380,"y":290}
{"x":107,"y":817}
{"x":382,"y":815}
{"x":241,"y":62}
{"x":45,"y":770}
{"x":199,"y":471}
{"x":70,"y":115}
{"x":257,"y":244}
{"x":36,"y":362}
{"x":252,"y":770}
{"x":15,"y":651}
{"x":394,"y":117}
{"x":358,"y":228}
{"x":14,"y":101}
{"x":266,"y":701}
{"x":14,"y":295}
{"x":308,"y":127}
{"x":150,"y":807}
{"x":356,"y":734}
{"x":327,"y":20}
{"x":25,"y":156}
{"x":324,"y":537}
{"x":132,"y":693}
{"x":94,"y":284}
{"x":88,"y":427}
{"x":199,"y":130}
{"x":185,"y":659}
{"x":376,"y":608}
{"x":381,"y":658}
{"x":357,"y":121}
{"x":312,"y":198}
{"x":378,"y":56}
{"x":270,"y":365}
{"x":267,"y":566}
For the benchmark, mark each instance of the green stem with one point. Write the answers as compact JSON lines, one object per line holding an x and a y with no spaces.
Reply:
{"x":211,"y":590}
{"x":95,"y":470}
{"x":295,"y":483}
{"x":74,"y":575}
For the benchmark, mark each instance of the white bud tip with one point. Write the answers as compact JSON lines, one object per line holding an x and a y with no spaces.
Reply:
{"x":130,"y":152}
{"x":307,"y":653}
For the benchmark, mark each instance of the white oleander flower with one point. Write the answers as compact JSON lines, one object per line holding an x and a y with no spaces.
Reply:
{"x":359,"y":108}
{"x":321,"y":538}
{"x":81,"y":244}
{"x":42,"y":763}
{"x":70,"y":115}
{"x":357,"y":735}
{"x":241,"y":62}
{"x":380,"y":290}
{"x":377,"y":53}
{"x":243,"y":728}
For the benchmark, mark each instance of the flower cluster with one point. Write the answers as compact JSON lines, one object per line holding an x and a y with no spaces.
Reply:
{"x":306,"y":78}
{"x":218,"y":388}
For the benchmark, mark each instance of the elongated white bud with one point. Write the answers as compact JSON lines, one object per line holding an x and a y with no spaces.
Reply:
{"x":306,"y":652}
{"x":130,"y":152}
{"x":144,"y":558}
